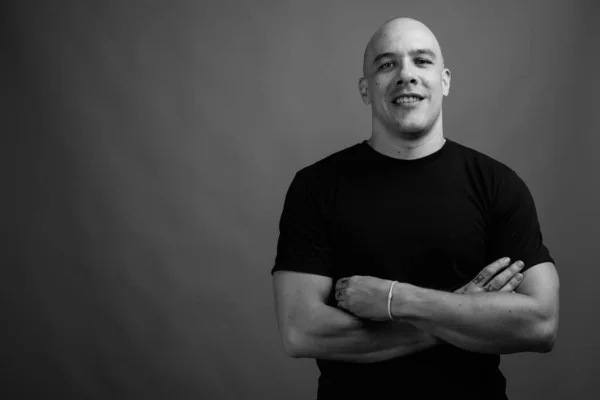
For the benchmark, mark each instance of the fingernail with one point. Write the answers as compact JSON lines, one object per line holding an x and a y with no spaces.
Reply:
{"x":520,"y":264}
{"x":519,"y":277}
{"x":505,"y":259}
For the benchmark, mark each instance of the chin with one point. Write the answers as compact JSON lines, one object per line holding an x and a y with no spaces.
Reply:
{"x":416,"y":126}
{"x":411,"y":129}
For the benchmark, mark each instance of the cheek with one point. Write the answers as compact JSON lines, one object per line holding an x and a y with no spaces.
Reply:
{"x":379,"y":93}
{"x":380,"y":84}
{"x":434,"y":85}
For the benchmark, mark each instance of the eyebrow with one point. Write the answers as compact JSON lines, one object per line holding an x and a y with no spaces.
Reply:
{"x":427,"y":52}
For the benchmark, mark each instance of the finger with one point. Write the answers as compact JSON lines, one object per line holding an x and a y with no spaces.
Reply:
{"x":341,"y":283}
{"x":489,"y":288}
{"x":505,"y":276}
{"x":512,"y":284}
{"x":488,"y":272}
{"x":461,"y":290}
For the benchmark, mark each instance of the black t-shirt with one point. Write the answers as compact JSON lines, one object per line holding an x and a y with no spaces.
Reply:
{"x":433,"y":222}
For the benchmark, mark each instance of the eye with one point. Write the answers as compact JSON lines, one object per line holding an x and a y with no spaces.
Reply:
{"x":422,"y":61}
{"x":386,"y":65}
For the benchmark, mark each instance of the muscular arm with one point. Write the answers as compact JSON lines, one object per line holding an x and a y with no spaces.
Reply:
{"x":526,"y":320}
{"x":310,"y":328}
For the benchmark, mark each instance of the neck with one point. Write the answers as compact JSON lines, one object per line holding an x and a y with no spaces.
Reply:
{"x":408,"y":146}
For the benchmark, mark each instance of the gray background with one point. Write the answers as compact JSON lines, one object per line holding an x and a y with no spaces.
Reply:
{"x":147,"y":148}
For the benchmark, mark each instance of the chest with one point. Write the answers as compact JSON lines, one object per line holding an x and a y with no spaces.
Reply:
{"x":430,"y":230}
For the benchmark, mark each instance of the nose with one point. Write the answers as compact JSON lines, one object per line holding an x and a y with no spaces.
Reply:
{"x":406,"y":76}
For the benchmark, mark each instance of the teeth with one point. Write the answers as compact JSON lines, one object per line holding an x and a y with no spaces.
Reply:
{"x":404,"y":100}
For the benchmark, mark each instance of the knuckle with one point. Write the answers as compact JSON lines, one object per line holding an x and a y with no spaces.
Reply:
{"x":502,"y":278}
{"x":499,"y":280}
{"x":464,"y":289}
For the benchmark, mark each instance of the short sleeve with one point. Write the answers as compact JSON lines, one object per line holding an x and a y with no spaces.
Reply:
{"x":303,"y":244}
{"x":516,"y":230}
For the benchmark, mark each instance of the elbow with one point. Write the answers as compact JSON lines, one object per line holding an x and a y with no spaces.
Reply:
{"x":294,"y":343}
{"x":547,"y":342}
{"x":546,"y":336}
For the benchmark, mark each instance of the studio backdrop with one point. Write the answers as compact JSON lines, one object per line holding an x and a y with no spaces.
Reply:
{"x":148,"y":146}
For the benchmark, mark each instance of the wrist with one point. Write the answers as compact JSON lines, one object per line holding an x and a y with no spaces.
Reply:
{"x":403,"y":297}
{"x":390,"y":295}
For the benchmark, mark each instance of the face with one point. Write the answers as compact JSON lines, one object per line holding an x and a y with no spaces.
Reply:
{"x":405,"y":78}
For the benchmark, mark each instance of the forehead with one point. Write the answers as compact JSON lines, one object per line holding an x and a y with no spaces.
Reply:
{"x":403,"y":37}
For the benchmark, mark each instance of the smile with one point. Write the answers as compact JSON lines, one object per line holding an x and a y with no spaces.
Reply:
{"x":406,"y":100}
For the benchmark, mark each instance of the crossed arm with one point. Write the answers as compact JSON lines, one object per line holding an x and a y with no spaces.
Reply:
{"x":497,"y":322}
{"x":310,"y":328}
{"x":483,"y":316}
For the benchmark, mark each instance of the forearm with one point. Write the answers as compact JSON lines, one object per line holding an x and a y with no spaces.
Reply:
{"x":497,"y":323}
{"x":333,"y":334}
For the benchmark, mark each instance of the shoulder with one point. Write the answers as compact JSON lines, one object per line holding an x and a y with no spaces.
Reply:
{"x":507,"y":192}
{"x":495,"y":172}
{"x":326,"y":170}
{"x":315,"y":185}
{"x":502,"y":187}
{"x":481,"y":159}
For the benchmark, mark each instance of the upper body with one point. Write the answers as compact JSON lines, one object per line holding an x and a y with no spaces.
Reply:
{"x":410,"y":206}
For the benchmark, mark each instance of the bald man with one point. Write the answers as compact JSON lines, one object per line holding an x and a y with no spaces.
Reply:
{"x":407,"y":263}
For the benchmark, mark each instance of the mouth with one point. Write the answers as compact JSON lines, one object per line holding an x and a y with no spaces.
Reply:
{"x":407,"y":99}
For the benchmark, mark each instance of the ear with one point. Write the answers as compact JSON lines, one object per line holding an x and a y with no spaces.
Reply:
{"x":363,"y":88}
{"x":446,"y":81}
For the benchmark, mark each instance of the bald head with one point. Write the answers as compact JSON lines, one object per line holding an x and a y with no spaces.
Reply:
{"x":404,"y":80}
{"x":406,"y":28}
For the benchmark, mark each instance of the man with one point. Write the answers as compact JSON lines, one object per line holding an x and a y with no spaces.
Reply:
{"x":391,"y":265}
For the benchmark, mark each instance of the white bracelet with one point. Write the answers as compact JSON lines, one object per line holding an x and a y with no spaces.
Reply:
{"x":390,"y":301}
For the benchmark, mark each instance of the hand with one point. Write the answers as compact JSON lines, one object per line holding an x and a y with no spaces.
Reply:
{"x":364,"y":296}
{"x":505,"y":281}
